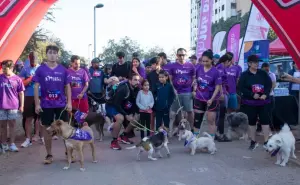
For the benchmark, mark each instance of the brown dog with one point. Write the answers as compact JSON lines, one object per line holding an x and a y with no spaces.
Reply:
{"x":74,"y":139}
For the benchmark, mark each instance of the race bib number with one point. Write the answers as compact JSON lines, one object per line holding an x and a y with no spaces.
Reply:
{"x":258,"y":88}
{"x":202,"y":86}
{"x":97,"y":73}
{"x":76,"y":84}
{"x":53,"y":95}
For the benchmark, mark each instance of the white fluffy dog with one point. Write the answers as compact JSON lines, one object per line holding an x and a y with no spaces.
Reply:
{"x":195,"y":143}
{"x":282,"y":145}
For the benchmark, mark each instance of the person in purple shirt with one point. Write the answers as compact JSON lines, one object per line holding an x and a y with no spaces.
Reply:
{"x":79,"y":85}
{"x":136,"y":68}
{"x":206,"y":93}
{"x":182,"y":76}
{"x":11,"y":103}
{"x":53,"y":80}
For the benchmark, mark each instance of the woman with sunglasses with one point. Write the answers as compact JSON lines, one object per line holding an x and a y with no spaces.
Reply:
{"x":255,"y":86}
{"x":206,"y":93}
{"x":221,"y":67}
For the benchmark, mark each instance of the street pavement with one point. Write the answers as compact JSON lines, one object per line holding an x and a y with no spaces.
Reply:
{"x":233,"y":164}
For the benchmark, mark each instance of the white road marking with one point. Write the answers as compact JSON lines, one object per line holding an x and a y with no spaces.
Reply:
{"x":176,"y":183}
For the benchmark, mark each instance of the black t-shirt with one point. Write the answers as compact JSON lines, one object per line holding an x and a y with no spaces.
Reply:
{"x":121,"y":70}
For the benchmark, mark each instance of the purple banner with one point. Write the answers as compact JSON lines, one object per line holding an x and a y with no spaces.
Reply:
{"x":204,"y":30}
{"x":233,"y":39}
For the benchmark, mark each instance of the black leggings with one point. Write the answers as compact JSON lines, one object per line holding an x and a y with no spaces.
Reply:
{"x":254,"y":112}
{"x":145,"y":119}
{"x":221,"y":117}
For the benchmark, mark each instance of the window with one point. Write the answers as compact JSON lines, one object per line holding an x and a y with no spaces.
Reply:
{"x":223,"y":7}
{"x":233,"y":5}
{"x":216,"y":11}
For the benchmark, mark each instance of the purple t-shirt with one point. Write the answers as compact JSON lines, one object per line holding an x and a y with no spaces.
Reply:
{"x":77,"y":79}
{"x":182,"y":75}
{"x":10,"y":87}
{"x":167,"y":67}
{"x":142,"y":72}
{"x":207,"y":82}
{"x":239,"y":69}
{"x":52,"y":83}
{"x":232,"y":73}
{"x":222,"y":71}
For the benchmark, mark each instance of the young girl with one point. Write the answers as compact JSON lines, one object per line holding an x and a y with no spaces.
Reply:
{"x":164,"y":98}
{"x":145,"y":102}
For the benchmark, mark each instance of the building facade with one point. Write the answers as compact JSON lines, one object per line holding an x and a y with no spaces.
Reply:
{"x":195,"y":12}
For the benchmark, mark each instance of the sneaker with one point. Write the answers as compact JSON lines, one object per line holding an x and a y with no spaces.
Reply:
{"x":253,"y":145}
{"x":223,"y":138}
{"x":48,"y":159}
{"x":125,"y":140}
{"x":115,"y":145}
{"x":5,"y":147}
{"x":26,"y":143}
{"x":13,"y":148}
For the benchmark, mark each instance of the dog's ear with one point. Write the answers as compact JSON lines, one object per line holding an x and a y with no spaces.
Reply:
{"x":278,"y":142}
{"x":58,"y":122}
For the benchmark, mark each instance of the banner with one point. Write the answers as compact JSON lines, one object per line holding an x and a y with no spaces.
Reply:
{"x":18,"y":20}
{"x":259,"y":48}
{"x":283,"y":16}
{"x":204,"y":30}
{"x":233,"y":40}
{"x":218,"y":41}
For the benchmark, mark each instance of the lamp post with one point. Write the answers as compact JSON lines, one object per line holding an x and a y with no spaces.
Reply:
{"x":95,"y":7}
{"x":89,"y":52}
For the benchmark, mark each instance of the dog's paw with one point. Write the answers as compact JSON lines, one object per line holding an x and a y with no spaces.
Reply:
{"x":153,"y":159}
{"x":82,"y":169}
{"x":283,"y":164}
{"x":277,"y":163}
{"x":66,"y":167}
{"x":95,"y":161}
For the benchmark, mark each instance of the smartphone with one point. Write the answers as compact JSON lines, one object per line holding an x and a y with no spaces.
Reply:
{"x":280,"y":71}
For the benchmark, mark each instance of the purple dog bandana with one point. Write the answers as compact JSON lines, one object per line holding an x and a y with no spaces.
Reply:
{"x":80,"y":116}
{"x":81,"y":135}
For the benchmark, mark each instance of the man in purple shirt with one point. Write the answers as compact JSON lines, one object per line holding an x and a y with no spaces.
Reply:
{"x":182,"y":76}
{"x":53,"y":80}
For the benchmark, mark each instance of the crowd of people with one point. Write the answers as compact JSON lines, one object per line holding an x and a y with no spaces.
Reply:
{"x":211,"y":85}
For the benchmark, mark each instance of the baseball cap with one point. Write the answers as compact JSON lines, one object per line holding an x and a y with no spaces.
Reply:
{"x":193,"y":57}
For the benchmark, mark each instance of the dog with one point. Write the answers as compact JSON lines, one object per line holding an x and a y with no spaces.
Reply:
{"x":173,"y":115}
{"x":195,"y":143}
{"x":153,"y":144}
{"x":183,"y":125}
{"x":237,"y":122}
{"x":99,"y":121}
{"x":74,"y":140}
{"x":282,"y":145}
{"x":2,"y":150}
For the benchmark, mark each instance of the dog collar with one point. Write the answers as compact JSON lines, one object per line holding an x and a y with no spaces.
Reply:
{"x":188,"y":142}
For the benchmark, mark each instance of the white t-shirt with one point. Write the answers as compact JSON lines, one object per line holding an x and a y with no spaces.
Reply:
{"x":273,"y":79}
{"x":296,"y":87}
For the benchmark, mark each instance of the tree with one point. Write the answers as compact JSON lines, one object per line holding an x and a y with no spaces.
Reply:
{"x":152,"y":52}
{"x":272,"y":35}
{"x":126,"y":45}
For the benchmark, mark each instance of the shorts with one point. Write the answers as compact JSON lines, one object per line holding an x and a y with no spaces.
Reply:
{"x":9,"y":114}
{"x":232,"y":102}
{"x":186,"y":100}
{"x":262,"y":112}
{"x":83,"y":105}
{"x":49,"y":114}
{"x":111,"y":111}
{"x":202,"y":106}
{"x":29,"y":107}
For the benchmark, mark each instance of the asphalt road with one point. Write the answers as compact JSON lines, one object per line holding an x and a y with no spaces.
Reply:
{"x":232,"y":165}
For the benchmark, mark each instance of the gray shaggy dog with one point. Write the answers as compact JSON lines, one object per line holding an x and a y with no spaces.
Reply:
{"x":237,"y":126}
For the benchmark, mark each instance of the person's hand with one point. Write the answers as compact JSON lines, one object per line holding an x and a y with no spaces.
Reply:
{"x":120,"y":78}
{"x":38,"y":109}
{"x":256,"y":96}
{"x":134,"y":69}
{"x":80,"y":96}
{"x":263,"y":97}
{"x":286,"y":77}
{"x":209,"y":102}
{"x":194,"y":94}
{"x":69,"y":107}
{"x":222,"y":97}
{"x":21,"y":109}
{"x":129,"y":118}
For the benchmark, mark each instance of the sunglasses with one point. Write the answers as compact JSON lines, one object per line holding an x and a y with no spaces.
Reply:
{"x":181,"y":55}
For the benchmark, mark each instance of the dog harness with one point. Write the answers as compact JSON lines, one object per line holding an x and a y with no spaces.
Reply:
{"x":188,"y":142}
{"x":81,"y":135}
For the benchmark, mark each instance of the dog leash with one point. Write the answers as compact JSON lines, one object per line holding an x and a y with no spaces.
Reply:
{"x":141,"y":126}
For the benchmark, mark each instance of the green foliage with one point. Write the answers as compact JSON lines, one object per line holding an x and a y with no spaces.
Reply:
{"x":226,"y":25}
{"x":153,"y":52}
{"x":272,"y":35}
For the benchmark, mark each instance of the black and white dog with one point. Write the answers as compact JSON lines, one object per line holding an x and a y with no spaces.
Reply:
{"x":153,"y":144}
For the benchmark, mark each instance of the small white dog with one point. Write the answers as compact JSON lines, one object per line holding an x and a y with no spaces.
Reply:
{"x":282,"y":145}
{"x":195,"y":143}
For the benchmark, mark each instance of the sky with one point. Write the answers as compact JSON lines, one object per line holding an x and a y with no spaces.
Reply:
{"x":164,"y":23}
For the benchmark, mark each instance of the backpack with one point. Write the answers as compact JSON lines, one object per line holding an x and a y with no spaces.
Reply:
{"x":111,"y":91}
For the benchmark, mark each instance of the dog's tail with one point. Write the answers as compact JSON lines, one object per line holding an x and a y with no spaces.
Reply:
{"x":206,"y":134}
{"x":285,"y":128}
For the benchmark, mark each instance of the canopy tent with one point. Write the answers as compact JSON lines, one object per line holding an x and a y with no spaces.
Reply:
{"x":277,"y":48}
